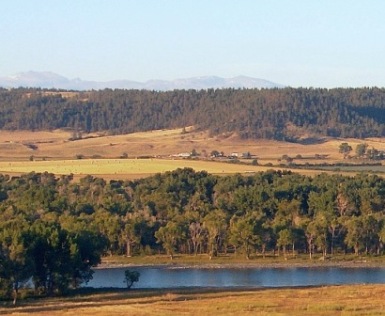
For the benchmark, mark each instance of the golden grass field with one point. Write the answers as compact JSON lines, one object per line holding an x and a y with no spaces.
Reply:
{"x":332,"y":300}
{"x":102,"y":152}
{"x":56,"y":145}
{"x":127,"y":168}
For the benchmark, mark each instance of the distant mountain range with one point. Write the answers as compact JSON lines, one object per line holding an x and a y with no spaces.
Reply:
{"x":48,"y":80}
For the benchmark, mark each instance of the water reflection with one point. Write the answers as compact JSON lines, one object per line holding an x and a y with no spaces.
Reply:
{"x":249,"y":277}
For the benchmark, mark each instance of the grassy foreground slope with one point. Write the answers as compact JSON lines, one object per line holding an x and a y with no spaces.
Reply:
{"x":335,"y":300}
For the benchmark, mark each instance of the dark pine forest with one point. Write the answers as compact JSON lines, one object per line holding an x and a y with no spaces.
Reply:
{"x":280,"y":114}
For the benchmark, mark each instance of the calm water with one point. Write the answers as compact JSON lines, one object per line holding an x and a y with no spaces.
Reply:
{"x":230,"y":277}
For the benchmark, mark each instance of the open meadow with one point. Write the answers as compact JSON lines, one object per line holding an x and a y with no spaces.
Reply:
{"x":128,"y":168}
{"x":333,"y":300}
{"x":56,"y":144}
{"x":147,"y":153}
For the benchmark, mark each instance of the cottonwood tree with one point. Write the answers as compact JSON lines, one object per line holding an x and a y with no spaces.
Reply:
{"x":323,"y":220}
{"x":287,"y":218}
{"x":319,"y":225}
{"x":51,"y":254}
{"x":244,"y":234}
{"x":197,"y":234}
{"x":133,"y":226}
{"x":110,"y":226}
{"x":216,"y":225}
{"x":16,"y":266}
{"x":354,"y":234}
{"x":169,"y":236}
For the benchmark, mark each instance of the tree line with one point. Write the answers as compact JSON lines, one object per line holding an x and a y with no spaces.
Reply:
{"x":54,"y":230}
{"x":280,"y":114}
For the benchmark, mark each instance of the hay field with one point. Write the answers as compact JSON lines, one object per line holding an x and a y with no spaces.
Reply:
{"x":333,"y":300}
{"x":53,"y":151}
{"x":56,"y":145}
{"x":125,"y":168}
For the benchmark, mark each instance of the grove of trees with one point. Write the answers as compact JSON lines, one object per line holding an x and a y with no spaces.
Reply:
{"x":268,"y":113}
{"x":53,"y":230}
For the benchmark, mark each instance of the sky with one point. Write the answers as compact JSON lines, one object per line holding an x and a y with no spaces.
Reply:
{"x":298,"y":43}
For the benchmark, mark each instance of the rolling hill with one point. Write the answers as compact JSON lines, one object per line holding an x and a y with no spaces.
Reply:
{"x":296,"y":115}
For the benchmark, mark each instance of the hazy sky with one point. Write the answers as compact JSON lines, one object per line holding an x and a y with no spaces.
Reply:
{"x":325,"y":43}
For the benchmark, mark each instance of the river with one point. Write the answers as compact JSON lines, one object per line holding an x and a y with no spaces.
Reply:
{"x":166,"y":277}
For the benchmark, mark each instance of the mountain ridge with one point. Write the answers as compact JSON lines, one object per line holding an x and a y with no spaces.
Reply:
{"x":50,"y":80}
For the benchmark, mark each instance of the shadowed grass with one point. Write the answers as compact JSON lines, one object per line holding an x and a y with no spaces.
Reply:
{"x":334,"y":300}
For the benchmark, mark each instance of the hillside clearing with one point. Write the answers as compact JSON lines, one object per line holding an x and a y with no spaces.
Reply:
{"x":55,"y":152}
{"x":57,"y":145}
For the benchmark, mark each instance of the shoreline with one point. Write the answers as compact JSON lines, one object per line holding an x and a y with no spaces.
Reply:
{"x":251,"y":265}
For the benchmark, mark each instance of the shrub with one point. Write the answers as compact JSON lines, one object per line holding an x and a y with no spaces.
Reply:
{"x":130,"y":277}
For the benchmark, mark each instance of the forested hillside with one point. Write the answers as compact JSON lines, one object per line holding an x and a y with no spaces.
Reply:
{"x":282,"y":114}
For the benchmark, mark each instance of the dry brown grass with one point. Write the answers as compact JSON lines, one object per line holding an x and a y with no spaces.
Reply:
{"x":56,"y":144}
{"x":128,"y":168}
{"x":333,"y":300}
{"x":55,"y":147}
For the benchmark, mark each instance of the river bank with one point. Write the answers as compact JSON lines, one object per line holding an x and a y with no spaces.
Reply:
{"x":203,"y":262}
